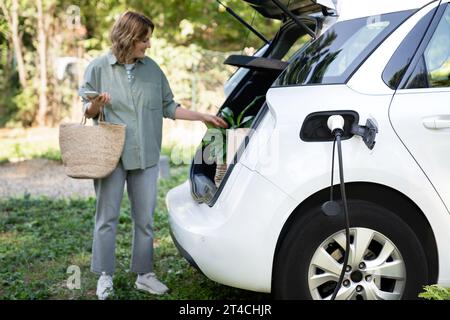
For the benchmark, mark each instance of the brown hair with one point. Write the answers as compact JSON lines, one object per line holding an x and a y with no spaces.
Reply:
{"x":129,"y":28}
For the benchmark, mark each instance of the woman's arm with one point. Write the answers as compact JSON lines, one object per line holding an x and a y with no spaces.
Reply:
{"x":92,"y":106}
{"x":185,"y":114}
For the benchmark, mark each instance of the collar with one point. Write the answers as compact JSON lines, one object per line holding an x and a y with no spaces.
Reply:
{"x":113,"y":60}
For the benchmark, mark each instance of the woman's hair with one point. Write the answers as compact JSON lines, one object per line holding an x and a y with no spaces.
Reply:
{"x":127,"y":30}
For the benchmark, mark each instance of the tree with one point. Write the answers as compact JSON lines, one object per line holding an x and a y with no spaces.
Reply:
{"x":42,"y":53}
{"x":205,"y":22}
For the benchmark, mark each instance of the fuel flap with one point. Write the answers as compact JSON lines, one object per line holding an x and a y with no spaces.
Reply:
{"x":270,"y":10}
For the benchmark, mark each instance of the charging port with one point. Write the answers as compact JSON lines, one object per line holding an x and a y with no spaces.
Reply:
{"x":315,"y":127}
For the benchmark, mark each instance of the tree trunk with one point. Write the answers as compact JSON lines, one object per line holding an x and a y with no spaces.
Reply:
{"x":42,"y":52}
{"x":13,"y":21}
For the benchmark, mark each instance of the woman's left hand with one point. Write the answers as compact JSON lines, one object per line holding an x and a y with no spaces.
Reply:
{"x":214,"y":121}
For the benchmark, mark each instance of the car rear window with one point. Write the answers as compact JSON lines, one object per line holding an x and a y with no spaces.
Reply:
{"x":337,"y":54}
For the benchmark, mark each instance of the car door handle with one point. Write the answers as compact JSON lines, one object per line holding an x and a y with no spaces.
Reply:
{"x":436,"y":123}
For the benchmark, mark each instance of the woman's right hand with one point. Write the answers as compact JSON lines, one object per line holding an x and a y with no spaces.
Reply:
{"x":97,"y":104}
{"x":100,"y":100}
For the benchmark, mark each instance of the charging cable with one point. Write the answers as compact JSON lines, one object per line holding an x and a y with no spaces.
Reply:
{"x":331,"y":208}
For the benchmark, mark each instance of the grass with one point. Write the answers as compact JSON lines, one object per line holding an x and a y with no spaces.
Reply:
{"x":40,"y":238}
{"x":24,"y":151}
{"x":20,"y":144}
{"x":435,"y":292}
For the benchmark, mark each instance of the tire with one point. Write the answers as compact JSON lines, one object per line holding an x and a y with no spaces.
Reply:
{"x":295,"y":275}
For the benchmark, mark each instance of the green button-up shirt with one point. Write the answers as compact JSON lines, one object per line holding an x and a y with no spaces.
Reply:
{"x":140,"y":105}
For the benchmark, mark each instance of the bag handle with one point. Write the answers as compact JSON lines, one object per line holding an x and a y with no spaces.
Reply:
{"x":100,"y":118}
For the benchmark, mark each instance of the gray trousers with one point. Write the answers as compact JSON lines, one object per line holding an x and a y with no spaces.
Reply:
{"x":141,"y":187}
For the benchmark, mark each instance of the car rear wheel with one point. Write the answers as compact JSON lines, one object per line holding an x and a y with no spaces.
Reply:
{"x":386,"y":261}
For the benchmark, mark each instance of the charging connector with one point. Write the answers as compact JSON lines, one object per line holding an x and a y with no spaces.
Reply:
{"x":336,"y":122}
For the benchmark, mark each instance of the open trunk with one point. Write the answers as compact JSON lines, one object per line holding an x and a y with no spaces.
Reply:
{"x":262,"y":73}
{"x":301,"y":19}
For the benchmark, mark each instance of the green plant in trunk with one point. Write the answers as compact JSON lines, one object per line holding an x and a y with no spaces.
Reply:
{"x":216,"y":138}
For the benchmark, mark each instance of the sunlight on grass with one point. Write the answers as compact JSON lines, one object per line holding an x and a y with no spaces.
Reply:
{"x":21,"y":144}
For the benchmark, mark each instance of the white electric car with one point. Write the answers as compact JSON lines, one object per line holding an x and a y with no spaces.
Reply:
{"x":384,"y":66}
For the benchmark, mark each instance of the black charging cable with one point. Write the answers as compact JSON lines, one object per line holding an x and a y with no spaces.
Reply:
{"x":347,"y":220}
{"x":332,"y":173}
{"x":332,"y":208}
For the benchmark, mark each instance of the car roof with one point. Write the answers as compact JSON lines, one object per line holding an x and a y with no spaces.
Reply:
{"x":352,"y":9}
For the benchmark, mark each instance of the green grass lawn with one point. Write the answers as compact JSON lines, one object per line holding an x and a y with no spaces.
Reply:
{"x":40,"y":238}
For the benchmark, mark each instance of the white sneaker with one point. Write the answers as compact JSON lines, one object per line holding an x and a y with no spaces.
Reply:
{"x":148,"y":282}
{"x":104,"y":286}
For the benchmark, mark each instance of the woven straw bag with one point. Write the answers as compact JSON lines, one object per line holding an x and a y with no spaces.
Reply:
{"x":91,"y":152}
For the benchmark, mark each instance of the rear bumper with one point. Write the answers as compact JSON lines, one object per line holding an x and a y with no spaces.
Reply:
{"x":233,"y":242}
{"x":184,"y":253}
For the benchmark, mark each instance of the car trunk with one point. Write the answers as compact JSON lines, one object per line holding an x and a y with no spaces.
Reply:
{"x":262,"y":73}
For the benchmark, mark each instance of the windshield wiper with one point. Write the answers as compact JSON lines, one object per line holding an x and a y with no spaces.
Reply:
{"x":238,"y":18}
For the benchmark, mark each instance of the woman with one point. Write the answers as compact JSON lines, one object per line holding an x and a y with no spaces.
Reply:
{"x":135,"y":92}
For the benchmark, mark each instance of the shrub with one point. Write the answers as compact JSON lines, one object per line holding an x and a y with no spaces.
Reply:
{"x":435,"y":292}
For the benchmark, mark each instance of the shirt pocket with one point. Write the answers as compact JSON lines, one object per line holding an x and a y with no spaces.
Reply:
{"x":153,"y":96}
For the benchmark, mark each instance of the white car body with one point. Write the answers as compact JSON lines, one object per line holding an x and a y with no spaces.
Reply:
{"x":234,"y":242}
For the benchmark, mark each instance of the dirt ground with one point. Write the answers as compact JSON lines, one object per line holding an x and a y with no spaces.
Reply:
{"x":41,"y":177}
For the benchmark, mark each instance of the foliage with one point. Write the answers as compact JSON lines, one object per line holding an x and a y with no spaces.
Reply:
{"x":435,"y":292}
{"x":40,"y":238}
{"x":8,"y":107}
{"x":216,"y":138}
{"x":203,"y":25}
{"x":239,"y":121}
{"x":26,"y":101}
{"x":205,"y":22}
{"x":195,"y":74}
